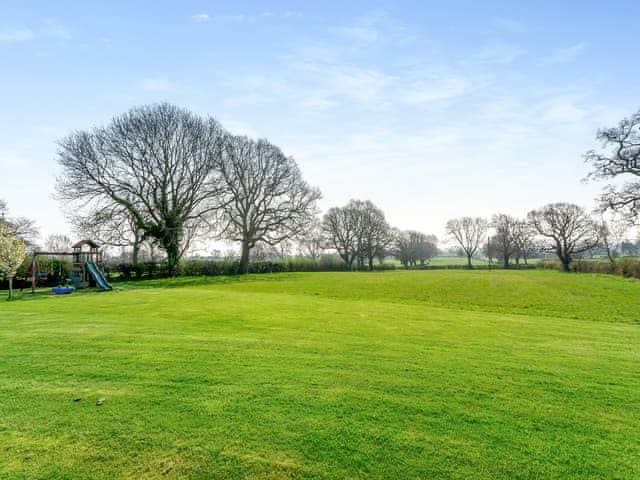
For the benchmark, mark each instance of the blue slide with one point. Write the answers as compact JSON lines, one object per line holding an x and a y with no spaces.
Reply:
{"x":98,"y":276}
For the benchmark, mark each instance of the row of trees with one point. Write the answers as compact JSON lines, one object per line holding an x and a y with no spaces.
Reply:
{"x":360,"y":233}
{"x":164,"y":175}
{"x":565,"y":229}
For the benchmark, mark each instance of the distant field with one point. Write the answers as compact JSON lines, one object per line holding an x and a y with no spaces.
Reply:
{"x":456,"y":261}
{"x":475,"y":261}
{"x":403,"y":374}
{"x":446,"y":261}
{"x":453,"y":261}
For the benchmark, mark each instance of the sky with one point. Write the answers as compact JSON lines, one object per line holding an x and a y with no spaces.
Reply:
{"x":432,"y":110}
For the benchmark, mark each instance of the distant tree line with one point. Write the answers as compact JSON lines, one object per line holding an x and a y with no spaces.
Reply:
{"x":159,"y":177}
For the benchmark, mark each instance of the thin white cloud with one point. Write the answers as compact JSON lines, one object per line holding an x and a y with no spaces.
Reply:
{"x":241,"y":17}
{"x":16,"y":35}
{"x":434,"y":87}
{"x":200,"y":17}
{"x":374,"y":27}
{"x":509,"y":25}
{"x":359,"y":33}
{"x":497,"y":53}
{"x":50,"y":29}
{"x":155,"y":84}
{"x":329,"y":73}
{"x":315,"y":86}
{"x":54,"y":29}
{"x":564,"y":109}
{"x":364,"y":85}
{"x":233,"y":17}
{"x":364,"y":30}
{"x":563,"y":55}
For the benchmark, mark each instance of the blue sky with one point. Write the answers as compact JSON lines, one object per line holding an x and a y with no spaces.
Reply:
{"x":430,"y":109}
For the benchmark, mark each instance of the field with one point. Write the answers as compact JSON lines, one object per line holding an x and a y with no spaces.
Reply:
{"x":452,"y":261}
{"x":404,"y":374}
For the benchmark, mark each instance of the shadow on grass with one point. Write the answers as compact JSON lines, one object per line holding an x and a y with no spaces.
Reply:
{"x":125,"y":285}
{"x":43,"y":294}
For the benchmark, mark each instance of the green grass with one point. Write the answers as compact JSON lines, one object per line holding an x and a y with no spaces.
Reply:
{"x":406,"y":374}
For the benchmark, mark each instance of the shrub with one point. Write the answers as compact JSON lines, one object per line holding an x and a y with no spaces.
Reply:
{"x":626,"y":267}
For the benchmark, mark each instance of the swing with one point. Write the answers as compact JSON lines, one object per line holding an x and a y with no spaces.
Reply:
{"x":86,"y":268}
{"x":34,"y":271}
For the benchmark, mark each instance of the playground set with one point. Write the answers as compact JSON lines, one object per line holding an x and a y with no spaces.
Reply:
{"x":87,"y":269}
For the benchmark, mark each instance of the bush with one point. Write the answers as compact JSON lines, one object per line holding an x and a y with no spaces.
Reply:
{"x":198,"y":268}
{"x":549,"y":265}
{"x":626,"y":267}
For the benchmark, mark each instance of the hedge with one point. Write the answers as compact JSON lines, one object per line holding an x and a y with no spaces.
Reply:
{"x":626,"y":267}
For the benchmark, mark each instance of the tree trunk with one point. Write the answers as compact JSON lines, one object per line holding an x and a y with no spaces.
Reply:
{"x":136,"y":253}
{"x":469,"y":265}
{"x":244,"y":257}
{"x":505,"y":262}
{"x":610,"y":255}
{"x":370,"y":263}
{"x":171,"y":245}
{"x":566,"y":262}
{"x":10,"y":288}
{"x":172,"y":261}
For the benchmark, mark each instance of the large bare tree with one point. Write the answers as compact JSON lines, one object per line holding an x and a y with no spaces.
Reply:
{"x":412,"y":247}
{"x":503,"y":240}
{"x":340,"y":225}
{"x":468,"y":233}
{"x":373,"y":231}
{"x":266,"y":198}
{"x":524,"y":237}
{"x":612,"y":230}
{"x":619,"y":157}
{"x":312,"y":243}
{"x":358,"y":231}
{"x":567,"y":228}
{"x":155,"y":162}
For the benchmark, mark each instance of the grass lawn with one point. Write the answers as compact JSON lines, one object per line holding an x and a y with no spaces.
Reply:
{"x":404,"y":374}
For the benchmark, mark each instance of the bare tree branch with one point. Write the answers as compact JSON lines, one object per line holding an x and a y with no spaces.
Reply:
{"x":265,"y":197}
{"x":156,"y":163}
{"x":469,"y":233}
{"x":621,"y":160}
{"x":567,"y":228}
